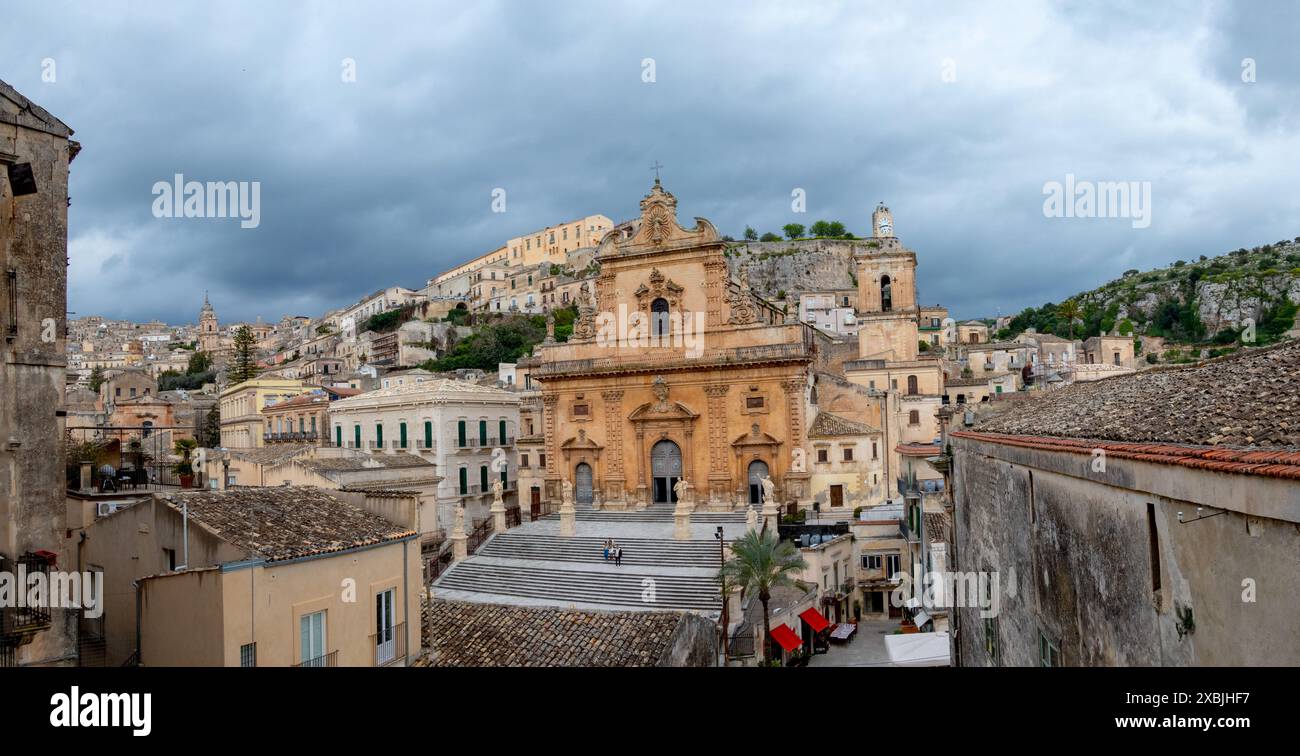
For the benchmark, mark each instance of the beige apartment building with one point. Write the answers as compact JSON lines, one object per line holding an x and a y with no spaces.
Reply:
{"x":269,"y":577}
{"x":551,"y":245}
{"x":242,"y":422}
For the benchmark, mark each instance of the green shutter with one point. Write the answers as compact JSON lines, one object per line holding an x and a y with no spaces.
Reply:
{"x":483,"y":477}
{"x":401,"y":430}
{"x":464,"y":482}
{"x":356,"y":433}
{"x":501,"y":439}
{"x":460,"y":431}
{"x":482,"y":433}
{"x":379,"y":435}
{"x":338,"y":441}
{"x":428,"y":434}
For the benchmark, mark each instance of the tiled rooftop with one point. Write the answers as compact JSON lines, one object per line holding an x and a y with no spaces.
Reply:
{"x":284,"y":522}
{"x":273,"y":454}
{"x":462,"y":634}
{"x":1250,"y":399}
{"x":434,"y":388}
{"x":827,"y":425}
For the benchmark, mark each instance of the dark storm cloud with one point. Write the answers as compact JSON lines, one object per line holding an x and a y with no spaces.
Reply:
{"x":388,"y":180}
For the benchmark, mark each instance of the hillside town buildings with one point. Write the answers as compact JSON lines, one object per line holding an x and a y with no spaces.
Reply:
{"x":688,"y":407}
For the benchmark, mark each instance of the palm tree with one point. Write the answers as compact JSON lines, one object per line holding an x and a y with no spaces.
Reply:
{"x":1069,"y":310}
{"x":759,"y":563}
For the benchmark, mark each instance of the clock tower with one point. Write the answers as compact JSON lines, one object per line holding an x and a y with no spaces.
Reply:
{"x":882,"y":222}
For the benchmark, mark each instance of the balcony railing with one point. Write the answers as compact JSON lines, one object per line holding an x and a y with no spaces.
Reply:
{"x":484,"y":443}
{"x":390,"y":645}
{"x":328,"y":660}
{"x":18,"y":623}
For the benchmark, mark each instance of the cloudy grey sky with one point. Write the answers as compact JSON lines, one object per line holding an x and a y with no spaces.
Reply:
{"x":388,"y":179}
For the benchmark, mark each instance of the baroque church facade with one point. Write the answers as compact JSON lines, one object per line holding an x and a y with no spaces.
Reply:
{"x":723,"y":393}
{"x":685,"y":375}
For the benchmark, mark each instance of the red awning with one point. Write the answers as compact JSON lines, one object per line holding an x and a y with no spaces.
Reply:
{"x":815,"y":619}
{"x":785,"y":636}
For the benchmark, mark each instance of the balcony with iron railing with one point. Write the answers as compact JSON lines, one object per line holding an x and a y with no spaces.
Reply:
{"x":507,"y":486}
{"x":19,"y":623}
{"x":389,"y":646}
{"x":328,"y":660}
{"x":476,"y":442}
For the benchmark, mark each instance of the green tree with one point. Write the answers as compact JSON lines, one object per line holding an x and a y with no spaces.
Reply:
{"x":769,"y":237}
{"x":761,"y":562}
{"x":793,"y":230}
{"x":750,"y":234}
{"x":200,"y":362}
{"x":820,"y":228}
{"x":96,"y":378}
{"x":210,"y":433}
{"x":244,"y":365}
{"x":1069,"y":311}
{"x":836,"y":229}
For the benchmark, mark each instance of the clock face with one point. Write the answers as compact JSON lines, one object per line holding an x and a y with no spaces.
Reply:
{"x":885,"y":226}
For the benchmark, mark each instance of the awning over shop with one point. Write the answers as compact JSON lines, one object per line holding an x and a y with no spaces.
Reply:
{"x":918,"y":649}
{"x":783,"y":635}
{"x":814,"y":619}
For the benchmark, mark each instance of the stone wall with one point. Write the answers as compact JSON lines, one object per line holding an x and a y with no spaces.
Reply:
{"x":1072,"y":548}
{"x":34,"y":245}
{"x":694,"y":644}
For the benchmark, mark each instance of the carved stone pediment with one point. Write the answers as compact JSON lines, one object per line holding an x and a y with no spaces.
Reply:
{"x":658,"y":287}
{"x":755,"y":437}
{"x":667,"y":410}
{"x":657,"y":228}
{"x":580,"y":442}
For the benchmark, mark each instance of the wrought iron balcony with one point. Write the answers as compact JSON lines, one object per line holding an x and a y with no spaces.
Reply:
{"x":390,"y":645}
{"x":328,"y":660}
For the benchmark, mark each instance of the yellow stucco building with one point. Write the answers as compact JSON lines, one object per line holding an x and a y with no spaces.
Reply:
{"x":242,"y":422}
{"x":675,"y":371}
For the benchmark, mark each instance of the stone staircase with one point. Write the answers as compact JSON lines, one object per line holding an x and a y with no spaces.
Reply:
{"x":514,"y":544}
{"x":533,"y":564}
{"x":652,"y":513}
{"x":489,"y":581}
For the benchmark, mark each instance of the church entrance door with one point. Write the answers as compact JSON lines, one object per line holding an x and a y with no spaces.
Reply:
{"x":757,"y":471}
{"x":582,"y":478}
{"x":666,"y":468}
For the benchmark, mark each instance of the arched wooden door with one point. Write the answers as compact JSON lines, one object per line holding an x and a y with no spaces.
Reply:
{"x":582,"y":482}
{"x":666,"y":468}
{"x":757,"y":471}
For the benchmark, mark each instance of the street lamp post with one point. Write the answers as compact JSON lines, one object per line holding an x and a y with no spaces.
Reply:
{"x":726,"y":641}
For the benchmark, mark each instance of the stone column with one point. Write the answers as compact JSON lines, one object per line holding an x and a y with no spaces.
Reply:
{"x":459,"y":541}
{"x":682,"y":519}
{"x":498,"y":511}
{"x":719,"y":477}
{"x":643,"y":472}
{"x":715,"y":283}
{"x":568,"y":513}
{"x":550,"y":487}
{"x":614,"y":481}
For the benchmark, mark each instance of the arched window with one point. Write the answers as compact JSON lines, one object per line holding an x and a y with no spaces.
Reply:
{"x":659,"y":317}
{"x":886,"y":297}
